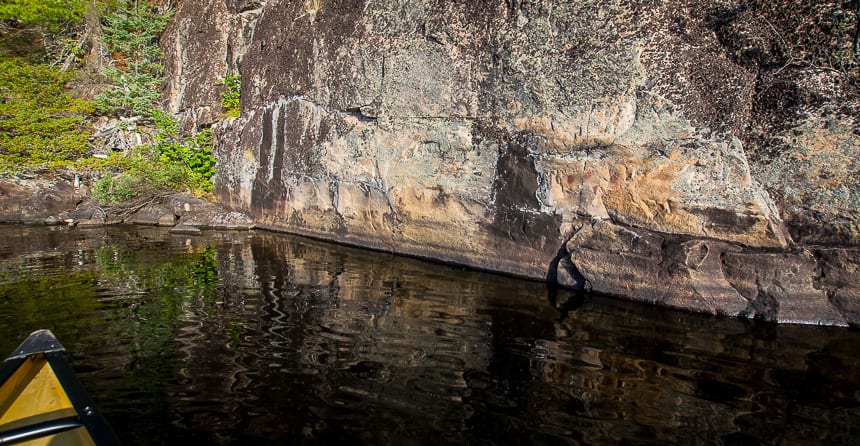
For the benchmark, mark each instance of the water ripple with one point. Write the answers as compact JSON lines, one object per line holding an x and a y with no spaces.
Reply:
{"x":235,"y":338}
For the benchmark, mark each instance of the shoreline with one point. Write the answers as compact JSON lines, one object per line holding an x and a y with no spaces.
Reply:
{"x":799,"y":285}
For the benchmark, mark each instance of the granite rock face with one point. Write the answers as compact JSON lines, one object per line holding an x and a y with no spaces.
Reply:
{"x":62,"y":201}
{"x":492,"y":134}
{"x":30,"y":201}
{"x":711,"y":276}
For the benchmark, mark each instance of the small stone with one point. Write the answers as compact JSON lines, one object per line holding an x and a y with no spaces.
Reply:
{"x":185,"y":229}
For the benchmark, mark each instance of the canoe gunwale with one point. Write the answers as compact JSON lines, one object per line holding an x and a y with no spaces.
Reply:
{"x":39,"y":430}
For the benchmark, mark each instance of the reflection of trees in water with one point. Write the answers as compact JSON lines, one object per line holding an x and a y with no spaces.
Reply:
{"x":114,"y":296}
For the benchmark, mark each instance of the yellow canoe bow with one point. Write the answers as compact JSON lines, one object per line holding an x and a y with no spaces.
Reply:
{"x":41,"y":400}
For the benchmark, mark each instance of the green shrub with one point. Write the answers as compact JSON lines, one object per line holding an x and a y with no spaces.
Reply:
{"x":142,"y":172}
{"x":41,"y":123}
{"x":230,"y":98}
{"x":171,"y":164}
{"x":111,"y":189}
{"x":194,"y":153}
{"x":131,"y":94}
{"x":52,"y":14}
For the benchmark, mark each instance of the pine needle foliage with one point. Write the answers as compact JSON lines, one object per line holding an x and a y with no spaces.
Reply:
{"x":131,"y":34}
{"x":52,"y":14}
{"x":42,"y":124}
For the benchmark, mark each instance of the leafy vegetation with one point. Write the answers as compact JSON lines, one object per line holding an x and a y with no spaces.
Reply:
{"x":192,"y":154}
{"x":52,"y":14}
{"x":171,"y":164}
{"x":112,"y":189}
{"x":230,"y":98}
{"x":44,"y":124}
{"x":41,"y":123}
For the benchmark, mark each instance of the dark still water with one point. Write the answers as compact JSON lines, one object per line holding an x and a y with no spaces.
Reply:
{"x":257,"y":338}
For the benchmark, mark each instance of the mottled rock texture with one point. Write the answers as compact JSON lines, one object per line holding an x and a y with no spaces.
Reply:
{"x":530,"y":137}
{"x":799,"y":285}
{"x":61,"y":201}
{"x":32,"y":201}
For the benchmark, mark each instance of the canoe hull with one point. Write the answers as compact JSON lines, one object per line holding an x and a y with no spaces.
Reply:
{"x":42,"y":402}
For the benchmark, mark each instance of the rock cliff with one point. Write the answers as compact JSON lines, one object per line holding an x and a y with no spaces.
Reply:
{"x":698,"y":154}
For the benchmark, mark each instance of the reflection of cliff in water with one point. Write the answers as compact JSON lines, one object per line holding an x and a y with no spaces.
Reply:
{"x":243,"y":338}
{"x":310,"y":342}
{"x":618,"y":371}
{"x":348,"y":340}
{"x":376,"y":334}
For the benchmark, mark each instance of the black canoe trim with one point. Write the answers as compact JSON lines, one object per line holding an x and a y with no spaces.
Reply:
{"x":39,"y":430}
{"x":44,"y":342}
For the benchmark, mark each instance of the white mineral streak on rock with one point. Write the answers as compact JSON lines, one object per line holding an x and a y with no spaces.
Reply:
{"x":488,"y":137}
{"x":273,"y":149}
